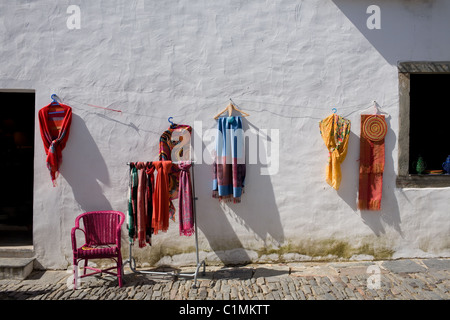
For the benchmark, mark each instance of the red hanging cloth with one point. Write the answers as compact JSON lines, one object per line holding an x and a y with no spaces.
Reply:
{"x":54,"y":124}
{"x":161,"y":198}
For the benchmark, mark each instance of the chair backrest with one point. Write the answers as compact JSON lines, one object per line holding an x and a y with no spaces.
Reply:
{"x":102,"y":227}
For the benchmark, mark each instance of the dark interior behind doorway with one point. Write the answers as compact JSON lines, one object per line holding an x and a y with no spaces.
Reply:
{"x":16,"y":167}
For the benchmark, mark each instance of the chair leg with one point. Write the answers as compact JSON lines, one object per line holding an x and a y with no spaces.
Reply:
{"x":119,"y":270}
{"x":85,"y":265}
{"x":75,"y":274}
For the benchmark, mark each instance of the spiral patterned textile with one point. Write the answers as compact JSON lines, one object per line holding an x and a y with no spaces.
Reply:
{"x":375,"y":128}
{"x":371,"y":161}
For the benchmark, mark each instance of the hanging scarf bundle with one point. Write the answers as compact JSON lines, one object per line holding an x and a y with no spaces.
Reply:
{"x":229,"y":164}
{"x":335,"y":131}
{"x":161,"y":199}
{"x":150,"y":204}
{"x":371,"y":167}
{"x":54,"y":124}
{"x":140,"y":204}
{"x":166,"y":146}
{"x":186,"y":211}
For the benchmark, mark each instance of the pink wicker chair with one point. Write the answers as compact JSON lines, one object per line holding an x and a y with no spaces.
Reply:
{"x":102,"y":230}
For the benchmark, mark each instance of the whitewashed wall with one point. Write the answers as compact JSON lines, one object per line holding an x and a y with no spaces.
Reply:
{"x":286,"y":63}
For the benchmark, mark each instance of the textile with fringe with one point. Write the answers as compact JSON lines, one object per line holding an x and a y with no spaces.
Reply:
{"x":54,"y":124}
{"x":229,"y":164}
{"x":186,"y":210}
{"x":371,"y":161}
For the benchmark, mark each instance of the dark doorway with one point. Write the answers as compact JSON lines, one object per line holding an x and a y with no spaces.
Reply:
{"x":16,"y":160}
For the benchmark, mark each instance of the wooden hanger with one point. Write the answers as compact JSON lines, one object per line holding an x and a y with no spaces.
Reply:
{"x":230,"y":107}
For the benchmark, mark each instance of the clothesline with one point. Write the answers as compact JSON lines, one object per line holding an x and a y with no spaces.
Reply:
{"x":174,"y":162}
{"x":356,"y":108}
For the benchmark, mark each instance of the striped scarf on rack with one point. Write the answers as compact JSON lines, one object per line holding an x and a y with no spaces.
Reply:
{"x":186,"y":210}
{"x":132,"y":201}
{"x":140,"y":203}
{"x":229,"y":164}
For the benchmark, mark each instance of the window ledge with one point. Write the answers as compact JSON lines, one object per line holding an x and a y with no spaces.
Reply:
{"x":423,"y":181}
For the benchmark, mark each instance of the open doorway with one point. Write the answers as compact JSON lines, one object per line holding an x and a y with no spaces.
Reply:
{"x":17,"y":169}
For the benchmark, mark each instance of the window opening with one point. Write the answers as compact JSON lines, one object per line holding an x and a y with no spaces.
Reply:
{"x":428,"y":124}
{"x":422,"y":131}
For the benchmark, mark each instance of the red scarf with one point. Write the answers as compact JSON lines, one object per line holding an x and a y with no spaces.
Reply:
{"x":161,"y":199}
{"x":54,"y":123}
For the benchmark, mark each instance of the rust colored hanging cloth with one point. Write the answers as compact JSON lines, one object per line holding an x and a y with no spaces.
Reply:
{"x":54,"y":124}
{"x":371,"y":165}
{"x":161,"y":199}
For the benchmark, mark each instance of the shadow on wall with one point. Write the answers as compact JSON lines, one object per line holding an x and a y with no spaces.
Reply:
{"x":408,"y":28}
{"x":257,"y":213}
{"x":84,"y":166}
{"x":348,"y":191}
{"x":259,"y":210}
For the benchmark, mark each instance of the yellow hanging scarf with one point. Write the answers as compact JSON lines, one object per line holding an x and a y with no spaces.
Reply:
{"x":335,"y":131}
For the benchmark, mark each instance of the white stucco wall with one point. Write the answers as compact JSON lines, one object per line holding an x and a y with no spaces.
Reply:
{"x":286,"y":63}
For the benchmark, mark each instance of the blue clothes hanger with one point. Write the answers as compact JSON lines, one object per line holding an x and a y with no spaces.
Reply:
{"x":54,"y":97}
{"x":171,"y":122}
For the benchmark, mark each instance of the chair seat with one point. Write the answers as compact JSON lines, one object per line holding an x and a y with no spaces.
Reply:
{"x":93,"y":252}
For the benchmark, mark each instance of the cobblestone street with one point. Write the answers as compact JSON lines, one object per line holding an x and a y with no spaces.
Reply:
{"x":411,"y":279}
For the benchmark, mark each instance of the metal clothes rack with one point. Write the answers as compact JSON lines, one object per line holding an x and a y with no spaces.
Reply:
{"x":132,"y":262}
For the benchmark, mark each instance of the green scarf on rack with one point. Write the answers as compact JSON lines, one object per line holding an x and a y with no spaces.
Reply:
{"x":132,"y":199}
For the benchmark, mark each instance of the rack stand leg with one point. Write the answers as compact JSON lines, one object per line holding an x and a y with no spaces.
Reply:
{"x":132,"y":262}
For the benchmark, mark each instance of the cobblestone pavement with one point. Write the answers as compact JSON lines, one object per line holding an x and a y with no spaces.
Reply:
{"x":410,"y":279}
